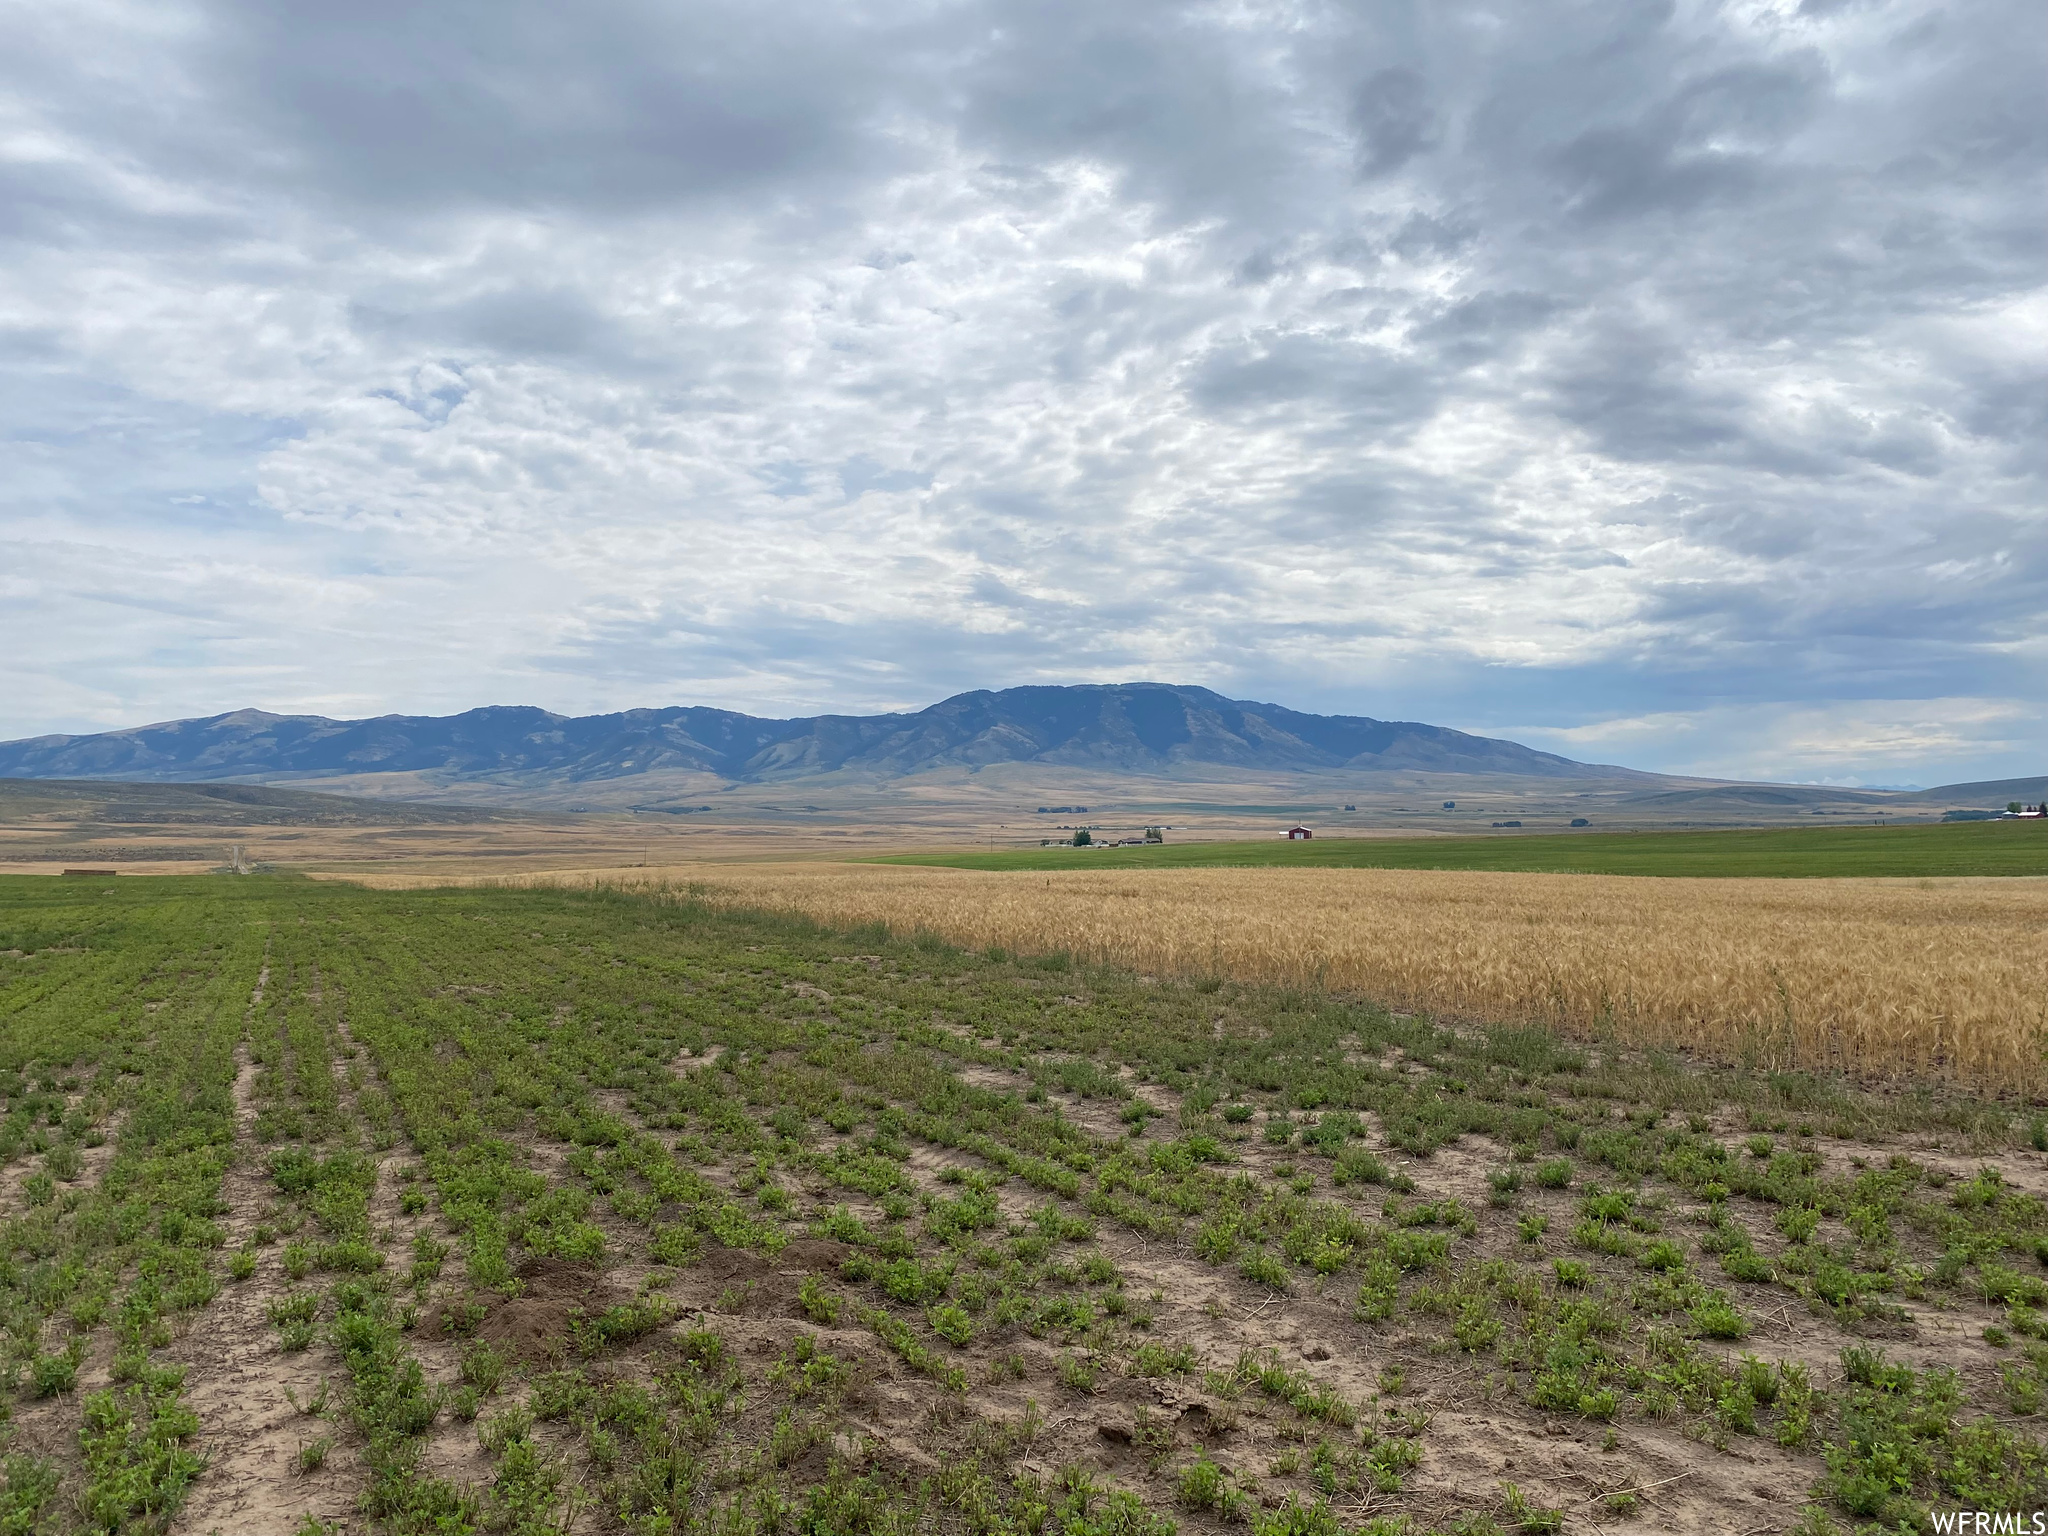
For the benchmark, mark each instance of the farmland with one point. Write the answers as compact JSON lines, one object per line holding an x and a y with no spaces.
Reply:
{"x":169,"y":829}
{"x":1899,"y":980}
{"x":1900,"y":852}
{"x":581,"y":1210}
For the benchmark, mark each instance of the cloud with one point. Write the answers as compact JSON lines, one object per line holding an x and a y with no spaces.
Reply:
{"x":1854,"y":742}
{"x":1625,"y":361}
{"x":1391,"y":113}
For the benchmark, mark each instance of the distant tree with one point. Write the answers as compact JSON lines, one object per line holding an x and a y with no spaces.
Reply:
{"x":1155,"y":834}
{"x":2014,"y":808}
{"x":1082,"y":839}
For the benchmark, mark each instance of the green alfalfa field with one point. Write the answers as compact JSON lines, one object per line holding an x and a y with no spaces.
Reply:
{"x":544,"y":1210}
{"x":1912,"y":851}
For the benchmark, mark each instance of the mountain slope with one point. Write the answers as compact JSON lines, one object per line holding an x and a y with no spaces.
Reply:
{"x":1127,"y":727}
{"x":1995,"y":792}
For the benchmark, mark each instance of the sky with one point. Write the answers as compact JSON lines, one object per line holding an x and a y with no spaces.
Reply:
{"x":1657,"y":383}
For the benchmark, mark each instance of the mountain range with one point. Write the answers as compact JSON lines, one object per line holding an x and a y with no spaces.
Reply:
{"x":1150,"y":728}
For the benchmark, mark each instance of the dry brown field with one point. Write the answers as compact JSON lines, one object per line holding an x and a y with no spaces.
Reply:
{"x":414,"y":823}
{"x":1941,"y":980}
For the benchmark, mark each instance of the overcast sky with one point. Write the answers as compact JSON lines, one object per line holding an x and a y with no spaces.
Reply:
{"x":1654,"y":383}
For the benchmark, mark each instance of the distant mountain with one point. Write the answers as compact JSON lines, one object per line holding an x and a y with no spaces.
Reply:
{"x":2003,"y":791}
{"x":1124,"y":727}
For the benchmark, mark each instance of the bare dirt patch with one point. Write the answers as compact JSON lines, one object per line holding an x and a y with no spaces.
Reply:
{"x":535,"y":1326}
{"x":995,"y":1079}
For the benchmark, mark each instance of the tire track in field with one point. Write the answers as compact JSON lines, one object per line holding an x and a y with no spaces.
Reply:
{"x":48,"y":1426}
{"x":241,"y":1385}
{"x":450,"y":1448}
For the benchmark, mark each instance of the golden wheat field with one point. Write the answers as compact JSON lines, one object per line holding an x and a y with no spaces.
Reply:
{"x":1888,"y":979}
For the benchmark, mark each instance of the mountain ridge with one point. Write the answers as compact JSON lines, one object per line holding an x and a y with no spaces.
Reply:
{"x":1126,"y":727}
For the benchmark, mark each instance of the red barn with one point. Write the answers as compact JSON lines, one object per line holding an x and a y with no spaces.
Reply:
{"x":1299,"y":834}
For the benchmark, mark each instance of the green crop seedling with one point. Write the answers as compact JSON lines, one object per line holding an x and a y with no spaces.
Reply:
{"x":691,"y":1208}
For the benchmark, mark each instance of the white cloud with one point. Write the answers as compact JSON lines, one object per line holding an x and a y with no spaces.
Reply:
{"x":1856,"y":742}
{"x":1565,"y":369}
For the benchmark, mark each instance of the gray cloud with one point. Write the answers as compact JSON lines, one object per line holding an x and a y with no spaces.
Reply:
{"x":1393,"y":118}
{"x":1568,"y":370}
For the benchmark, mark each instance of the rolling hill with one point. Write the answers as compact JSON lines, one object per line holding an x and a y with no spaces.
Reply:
{"x":1992,"y":793}
{"x":113,"y":804}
